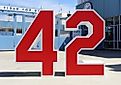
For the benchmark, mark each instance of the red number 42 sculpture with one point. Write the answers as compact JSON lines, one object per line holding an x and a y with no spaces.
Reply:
{"x":44,"y":23}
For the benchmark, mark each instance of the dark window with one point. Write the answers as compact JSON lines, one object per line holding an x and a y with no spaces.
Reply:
{"x":119,"y":44}
{"x":29,"y":9}
{"x":10,"y":7}
{"x":19,"y":31}
{"x":109,"y":33}
{"x":13,"y":8}
{"x":109,"y":21}
{"x":26,"y":9}
{"x":17,"y":8}
{"x":120,"y":19}
{"x":68,"y":15}
{"x":84,"y":30}
{"x":56,"y":32}
{"x":116,"y":32}
{"x":116,"y":20}
{"x":6,"y":31}
{"x":57,"y":22}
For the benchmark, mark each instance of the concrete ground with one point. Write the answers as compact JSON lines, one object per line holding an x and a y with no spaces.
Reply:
{"x":112,"y":70}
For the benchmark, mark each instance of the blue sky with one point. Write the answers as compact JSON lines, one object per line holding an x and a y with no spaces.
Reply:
{"x":66,"y":5}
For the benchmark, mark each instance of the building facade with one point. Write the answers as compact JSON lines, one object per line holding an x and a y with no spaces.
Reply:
{"x":14,"y":22}
{"x":110,"y":10}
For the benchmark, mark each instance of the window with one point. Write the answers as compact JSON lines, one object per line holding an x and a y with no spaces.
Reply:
{"x":6,"y":31}
{"x":120,"y":19}
{"x":57,"y":22}
{"x":56,"y":32}
{"x":19,"y":31}
{"x":116,"y":20}
{"x":6,"y":18}
{"x":29,"y":9}
{"x":84,"y":30}
{"x":109,"y":33}
{"x":17,"y":8}
{"x":29,"y":19}
{"x":109,"y":21}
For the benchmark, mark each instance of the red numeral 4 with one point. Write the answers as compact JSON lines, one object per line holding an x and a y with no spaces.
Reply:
{"x":44,"y":23}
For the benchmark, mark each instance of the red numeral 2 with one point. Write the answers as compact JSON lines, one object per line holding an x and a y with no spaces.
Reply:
{"x":89,"y":42}
{"x":44,"y":23}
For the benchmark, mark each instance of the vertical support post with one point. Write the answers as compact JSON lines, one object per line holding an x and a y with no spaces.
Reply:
{"x":23,"y":24}
{"x":14,"y":27}
{"x":14,"y":23}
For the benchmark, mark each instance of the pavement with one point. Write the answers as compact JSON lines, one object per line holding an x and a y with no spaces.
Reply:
{"x":111,"y":59}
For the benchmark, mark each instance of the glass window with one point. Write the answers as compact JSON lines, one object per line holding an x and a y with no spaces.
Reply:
{"x":120,"y":19}
{"x":84,"y":30}
{"x":19,"y":31}
{"x":116,"y":20}
{"x":19,"y":18}
{"x":6,"y":18}
{"x":6,"y":31}
{"x":29,"y":19}
{"x":109,"y":33}
{"x":56,"y":32}
{"x":109,"y":21}
{"x":119,"y":44}
{"x":116,"y":32}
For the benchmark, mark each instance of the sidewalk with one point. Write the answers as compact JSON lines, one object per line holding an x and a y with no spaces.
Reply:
{"x":112,"y":71}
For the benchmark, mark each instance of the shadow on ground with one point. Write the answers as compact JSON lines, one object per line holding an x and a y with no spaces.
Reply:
{"x":103,"y":53}
{"x":116,"y":68}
